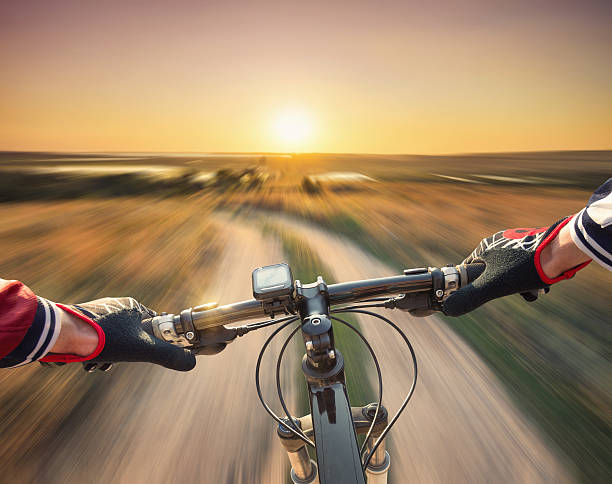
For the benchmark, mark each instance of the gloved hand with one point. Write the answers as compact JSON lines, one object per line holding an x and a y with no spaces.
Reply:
{"x":513,"y":265}
{"x":121,"y":336}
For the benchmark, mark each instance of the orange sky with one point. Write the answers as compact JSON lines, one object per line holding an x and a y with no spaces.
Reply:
{"x":384,"y":77}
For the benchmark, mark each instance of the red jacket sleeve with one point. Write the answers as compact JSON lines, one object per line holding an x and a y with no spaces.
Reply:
{"x":29,"y":325}
{"x":17,"y":309}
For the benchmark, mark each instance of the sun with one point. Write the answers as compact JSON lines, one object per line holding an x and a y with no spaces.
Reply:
{"x":293,"y":128}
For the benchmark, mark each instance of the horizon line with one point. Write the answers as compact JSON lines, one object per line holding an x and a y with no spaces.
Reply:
{"x":293,"y":153}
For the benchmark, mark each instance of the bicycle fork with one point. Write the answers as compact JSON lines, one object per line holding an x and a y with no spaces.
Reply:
{"x":304,"y":469}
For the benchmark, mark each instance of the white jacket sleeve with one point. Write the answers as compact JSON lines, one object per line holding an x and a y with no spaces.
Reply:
{"x":591,"y":228}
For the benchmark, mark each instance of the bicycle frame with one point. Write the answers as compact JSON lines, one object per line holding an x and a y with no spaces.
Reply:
{"x":305,"y":471}
{"x":333,"y":422}
{"x":323,"y":367}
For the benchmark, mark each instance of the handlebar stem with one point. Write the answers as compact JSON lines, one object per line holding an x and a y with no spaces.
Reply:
{"x":312,"y":301}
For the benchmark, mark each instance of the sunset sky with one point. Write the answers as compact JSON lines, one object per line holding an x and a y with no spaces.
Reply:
{"x":331,"y":76}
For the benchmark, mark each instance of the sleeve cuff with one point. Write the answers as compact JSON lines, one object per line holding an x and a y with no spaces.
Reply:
{"x":591,"y":238}
{"x":39,"y":339}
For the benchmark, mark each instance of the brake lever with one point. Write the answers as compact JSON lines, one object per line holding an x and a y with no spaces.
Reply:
{"x":88,"y":366}
{"x":214,"y":340}
{"x":418,"y":304}
{"x":531,"y":296}
{"x":210,"y":350}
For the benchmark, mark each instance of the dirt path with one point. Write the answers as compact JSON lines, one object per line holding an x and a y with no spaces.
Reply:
{"x":461,"y":426}
{"x":206,"y":426}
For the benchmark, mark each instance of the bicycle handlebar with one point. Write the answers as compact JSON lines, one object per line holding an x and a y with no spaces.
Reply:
{"x":421,"y":290}
{"x":185,"y":329}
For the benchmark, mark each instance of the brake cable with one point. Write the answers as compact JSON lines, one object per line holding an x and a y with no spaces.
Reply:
{"x":380,"y":384}
{"x":360,"y":306}
{"x":264,"y":324}
{"x":290,"y":425}
{"x":412,"y":387}
{"x":257,"y":385}
{"x":379,"y":374}
{"x":278,"y":386}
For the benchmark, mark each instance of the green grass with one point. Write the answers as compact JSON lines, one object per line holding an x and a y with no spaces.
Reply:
{"x":547,"y":388}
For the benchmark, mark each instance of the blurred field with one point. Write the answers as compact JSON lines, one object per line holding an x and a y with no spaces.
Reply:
{"x":74,"y":235}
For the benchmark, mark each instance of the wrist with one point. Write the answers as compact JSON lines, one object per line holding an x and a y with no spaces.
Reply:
{"x":76,"y":336}
{"x":561,"y":255}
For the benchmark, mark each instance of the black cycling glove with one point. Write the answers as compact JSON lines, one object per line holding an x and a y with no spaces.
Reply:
{"x":512,"y":259}
{"x":121,"y":336}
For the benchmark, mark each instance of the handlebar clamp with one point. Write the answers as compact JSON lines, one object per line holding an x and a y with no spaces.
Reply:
{"x":189,"y":329}
{"x":437,"y":283}
{"x":452,"y":279}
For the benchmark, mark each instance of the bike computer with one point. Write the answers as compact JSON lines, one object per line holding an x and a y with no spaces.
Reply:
{"x":272,"y":282}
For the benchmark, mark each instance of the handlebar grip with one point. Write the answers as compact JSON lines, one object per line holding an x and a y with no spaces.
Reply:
{"x":474,"y":270}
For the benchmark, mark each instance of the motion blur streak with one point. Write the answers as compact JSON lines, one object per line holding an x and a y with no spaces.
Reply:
{"x":513,"y":392}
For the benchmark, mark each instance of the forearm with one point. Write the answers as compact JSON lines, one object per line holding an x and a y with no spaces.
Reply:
{"x":561,"y":254}
{"x":76,"y":336}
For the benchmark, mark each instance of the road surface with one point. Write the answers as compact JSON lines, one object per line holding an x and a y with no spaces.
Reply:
{"x":207,"y":426}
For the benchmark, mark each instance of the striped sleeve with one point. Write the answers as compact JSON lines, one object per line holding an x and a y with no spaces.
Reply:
{"x":591,"y":228}
{"x":29,"y":325}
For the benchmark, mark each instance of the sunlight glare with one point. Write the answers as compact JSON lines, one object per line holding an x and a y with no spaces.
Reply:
{"x":292,"y":127}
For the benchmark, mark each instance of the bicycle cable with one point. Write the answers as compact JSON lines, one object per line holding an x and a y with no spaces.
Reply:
{"x":266,"y":323}
{"x":292,"y":426}
{"x":379,"y":373}
{"x":375,"y":299}
{"x":363,"y":306}
{"x":278,"y":387}
{"x":414,"y":379}
{"x":258,"y":386}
